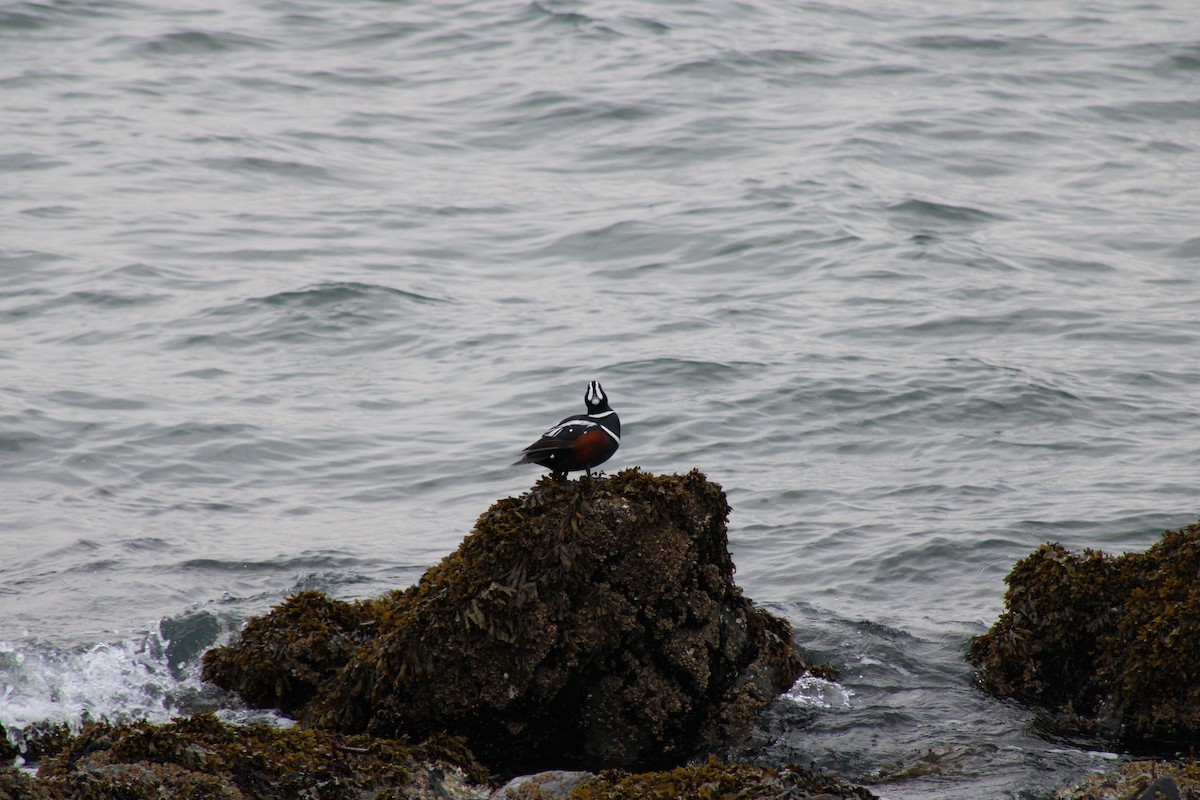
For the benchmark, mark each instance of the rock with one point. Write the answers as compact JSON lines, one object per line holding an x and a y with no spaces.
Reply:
{"x":550,"y":785}
{"x":285,"y":656}
{"x":33,"y":742}
{"x":17,"y":784}
{"x":1110,"y":645}
{"x":1138,"y":780}
{"x":8,"y":750}
{"x":590,"y":623}
{"x":715,"y":780}
{"x":202,"y":757}
{"x":710,"y":780}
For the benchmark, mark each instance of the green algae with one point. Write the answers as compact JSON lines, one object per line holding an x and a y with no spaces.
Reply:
{"x":591,"y":622}
{"x":1110,"y":645}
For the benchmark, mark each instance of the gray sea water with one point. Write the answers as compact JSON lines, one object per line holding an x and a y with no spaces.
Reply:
{"x":285,"y":286}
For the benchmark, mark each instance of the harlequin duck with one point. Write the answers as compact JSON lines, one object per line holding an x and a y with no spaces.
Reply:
{"x":579,"y":442}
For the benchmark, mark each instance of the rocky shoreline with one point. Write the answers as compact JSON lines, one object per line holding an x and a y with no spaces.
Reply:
{"x":589,"y":624}
{"x":594,"y":626}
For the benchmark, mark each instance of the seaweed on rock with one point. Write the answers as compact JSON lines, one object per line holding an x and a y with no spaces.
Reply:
{"x":284,"y":656}
{"x":34,"y":742}
{"x":202,"y":757}
{"x":717,"y":780}
{"x":1138,"y":780}
{"x":1110,"y":644}
{"x":592,"y":623}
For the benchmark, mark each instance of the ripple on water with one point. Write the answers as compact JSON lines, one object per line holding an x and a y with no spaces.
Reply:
{"x":286,"y":288}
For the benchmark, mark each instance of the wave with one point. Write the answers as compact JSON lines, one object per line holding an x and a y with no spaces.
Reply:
{"x":197,"y":42}
{"x":154,"y":675}
{"x":333,"y":311}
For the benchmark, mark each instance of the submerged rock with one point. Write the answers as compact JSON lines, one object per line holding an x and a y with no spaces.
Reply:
{"x":1111,"y":645}
{"x":589,"y":623}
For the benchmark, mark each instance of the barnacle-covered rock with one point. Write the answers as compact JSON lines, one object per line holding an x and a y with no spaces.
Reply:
{"x":589,"y":623}
{"x":203,"y":757}
{"x":1110,"y":644}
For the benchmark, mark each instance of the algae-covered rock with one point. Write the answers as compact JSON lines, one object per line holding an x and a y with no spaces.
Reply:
{"x":1139,"y":780}
{"x":33,"y":742}
{"x":16,"y":784}
{"x":283,"y":657}
{"x":717,"y":780}
{"x":8,"y":750}
{"x":201,"y":757}
{"x":1110,"y":644}
{"x":589,"y":623}
{"x":550,"y":785}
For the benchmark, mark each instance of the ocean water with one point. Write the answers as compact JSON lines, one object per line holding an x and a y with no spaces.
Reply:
{"x":285,"y":287}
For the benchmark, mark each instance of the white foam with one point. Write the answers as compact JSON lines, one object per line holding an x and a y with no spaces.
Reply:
{"x":120,"y":681}
{"x":811,"y":692}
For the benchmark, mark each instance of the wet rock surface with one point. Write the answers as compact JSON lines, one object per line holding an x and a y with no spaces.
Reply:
{"x":711,"y":780}
{"x":1139,"y":780}
{"x":1109,"y":645}
{"x":590,"y":623}
{"x":202,"y":757}
{"x":283,"y":657}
